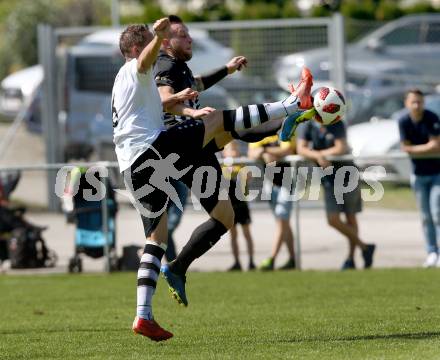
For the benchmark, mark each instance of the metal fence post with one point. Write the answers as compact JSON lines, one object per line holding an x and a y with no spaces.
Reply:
{"x":105,"y":229}
{"x":47,"y":58}
{"x":115,"y":13}
{"x":297,"y":237}
{"x":336,"y":40}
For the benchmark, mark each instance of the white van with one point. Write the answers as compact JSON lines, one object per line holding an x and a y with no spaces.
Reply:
{"x":91,"y":68}
{"x":88,"y":72}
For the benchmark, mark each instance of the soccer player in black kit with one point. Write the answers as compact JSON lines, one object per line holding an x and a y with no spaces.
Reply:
{"x":173,"y":75}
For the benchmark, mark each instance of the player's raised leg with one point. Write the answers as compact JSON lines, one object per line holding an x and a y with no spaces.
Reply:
{"x":292,"y":107}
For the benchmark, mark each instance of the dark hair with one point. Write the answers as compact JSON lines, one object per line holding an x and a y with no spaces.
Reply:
{"x":131,"y":36}
{"x":415,"y":91}
{"x":174,"y":19}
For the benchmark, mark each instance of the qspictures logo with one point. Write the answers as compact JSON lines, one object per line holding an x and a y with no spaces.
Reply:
{"x":154,"y":175}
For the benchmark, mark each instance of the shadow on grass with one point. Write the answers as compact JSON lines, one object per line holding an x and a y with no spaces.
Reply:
{"x":64,"y":330}
{"x":405,"y":336}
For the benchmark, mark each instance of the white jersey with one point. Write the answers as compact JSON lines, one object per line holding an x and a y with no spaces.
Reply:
{"x":136,"y":111}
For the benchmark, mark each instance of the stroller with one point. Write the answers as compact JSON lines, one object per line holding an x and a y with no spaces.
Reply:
{"x":90,"y":239}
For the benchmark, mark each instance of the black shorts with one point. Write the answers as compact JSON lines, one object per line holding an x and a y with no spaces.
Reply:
{"x":242,"y":214}
{"x":241,"y":208}
{"x":185,"y":140}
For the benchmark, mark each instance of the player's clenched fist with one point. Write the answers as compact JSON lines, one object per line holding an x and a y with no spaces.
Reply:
{"x":236,"y":63}
{"x":162,"y":27}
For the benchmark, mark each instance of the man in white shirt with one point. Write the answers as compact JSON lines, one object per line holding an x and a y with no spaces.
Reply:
{"x":140,"y":136}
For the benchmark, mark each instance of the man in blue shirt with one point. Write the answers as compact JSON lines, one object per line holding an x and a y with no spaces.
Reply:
{"x":420,"y":136}
{"x":316,"y":142}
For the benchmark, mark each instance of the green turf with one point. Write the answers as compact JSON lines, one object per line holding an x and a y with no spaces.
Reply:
{"x":379,"y":314}
{"x":395,"y":197}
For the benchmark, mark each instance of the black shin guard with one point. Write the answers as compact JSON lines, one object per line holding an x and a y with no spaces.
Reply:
{"x":202,"y":239}
{"x":228,"y":120}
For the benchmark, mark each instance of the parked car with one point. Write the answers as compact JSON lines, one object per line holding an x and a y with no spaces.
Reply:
{"x":377,"y":140}
{"x":381,"y":138}
{"x":365,"y":105}
{"x":414,"y":39}
{"x":17,"y":88}
{"x":360,"y":74}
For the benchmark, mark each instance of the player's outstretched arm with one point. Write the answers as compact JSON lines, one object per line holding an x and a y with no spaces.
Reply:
{"x":184,"y":110}
{"x":173,"y":103}
{"x":204,"y":82}
{"x":149,"y":54}
{"x":169,"y":99}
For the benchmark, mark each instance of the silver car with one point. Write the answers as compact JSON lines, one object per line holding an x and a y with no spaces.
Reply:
{"x":414,"y":39}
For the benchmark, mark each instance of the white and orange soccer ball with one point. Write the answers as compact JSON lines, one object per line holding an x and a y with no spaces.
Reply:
{"x":330,"y":105}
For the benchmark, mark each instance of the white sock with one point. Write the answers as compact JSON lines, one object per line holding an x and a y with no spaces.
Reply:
{"x":283,"y":108}
{"x":147,"y":276}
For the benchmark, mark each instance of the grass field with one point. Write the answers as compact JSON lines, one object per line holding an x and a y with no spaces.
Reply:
{"x":395,"y":197}
{"x":379,"y":314}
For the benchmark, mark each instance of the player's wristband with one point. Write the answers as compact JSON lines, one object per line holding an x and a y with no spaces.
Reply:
{"x":214,"y":77}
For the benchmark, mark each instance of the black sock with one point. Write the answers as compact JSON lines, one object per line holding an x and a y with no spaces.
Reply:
{"x":258,"y":133}
{"x":202,"y":239}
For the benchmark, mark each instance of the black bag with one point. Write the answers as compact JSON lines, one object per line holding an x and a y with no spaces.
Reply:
{"x":27,"y":249}
{"x":4,"y":254}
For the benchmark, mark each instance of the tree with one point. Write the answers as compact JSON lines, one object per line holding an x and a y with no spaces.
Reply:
{"x":21,"y":28}
{"x":20,"y":42}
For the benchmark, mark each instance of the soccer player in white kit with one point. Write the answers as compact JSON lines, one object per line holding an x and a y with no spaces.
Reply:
{"x":140,"y":137}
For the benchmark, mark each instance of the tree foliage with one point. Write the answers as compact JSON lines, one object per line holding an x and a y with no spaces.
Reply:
{"x":19,"y":18}
{"x":19,"y":45}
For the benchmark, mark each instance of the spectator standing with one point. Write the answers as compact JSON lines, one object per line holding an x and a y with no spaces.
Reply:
{"x":241,"y":209}
{"x":420,"y":135}
{"x":316,"y":142}
{"x":270,"y":150}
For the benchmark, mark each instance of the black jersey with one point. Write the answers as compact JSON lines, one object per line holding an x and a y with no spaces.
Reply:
{"x":169,"y":71}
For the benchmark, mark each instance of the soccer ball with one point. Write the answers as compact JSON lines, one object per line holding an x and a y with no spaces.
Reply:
{"x":330,"y":105}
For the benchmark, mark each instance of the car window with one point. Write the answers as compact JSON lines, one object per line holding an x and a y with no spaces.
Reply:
{"x":433,"y":34}
{"x":405,"y":35}
{"x":385,"y":108}
{"x":357,"y":79}
{"x":433,"y":104}
{"x":390,"y":81}
{"x":320,"y":72}
{"x":96,"y":73}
